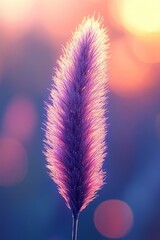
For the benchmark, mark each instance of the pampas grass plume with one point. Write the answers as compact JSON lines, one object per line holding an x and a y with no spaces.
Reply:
{"x":76,"y":117}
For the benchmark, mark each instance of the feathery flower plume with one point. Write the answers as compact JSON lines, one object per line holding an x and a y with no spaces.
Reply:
{"x":76,"y":117}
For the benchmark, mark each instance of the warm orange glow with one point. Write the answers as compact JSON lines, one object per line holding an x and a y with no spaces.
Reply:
{"x":60,"y":17}
{"x":141,"y":17}
{"x":113,"y":8}
{"x":16,"y":17}
{"x":95,"y":1}
{"x":146,"y":50}
{"x":113,"y":218}
{"x":15,"y":10}
{"x":128,"y":76}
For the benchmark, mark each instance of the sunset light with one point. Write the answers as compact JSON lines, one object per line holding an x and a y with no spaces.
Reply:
{"x":140,"y":16}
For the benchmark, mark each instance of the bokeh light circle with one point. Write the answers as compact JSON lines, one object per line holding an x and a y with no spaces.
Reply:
{"x":113,"y":218}
{"x":140,"y":16}
{"x":20,"y":118}
{"x":13,"y":161}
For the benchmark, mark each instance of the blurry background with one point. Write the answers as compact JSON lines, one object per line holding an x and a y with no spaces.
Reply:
{"x":31,"y":35}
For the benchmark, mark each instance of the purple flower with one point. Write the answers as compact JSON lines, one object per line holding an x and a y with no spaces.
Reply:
{"x":76,"y":116}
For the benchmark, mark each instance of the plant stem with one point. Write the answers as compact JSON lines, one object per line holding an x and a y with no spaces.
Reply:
{"x":74,"y":226}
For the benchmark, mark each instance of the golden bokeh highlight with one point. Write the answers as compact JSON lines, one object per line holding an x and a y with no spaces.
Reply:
{"x":140,"y":17}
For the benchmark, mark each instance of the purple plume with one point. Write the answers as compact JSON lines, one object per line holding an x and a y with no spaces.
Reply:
{"x":76,"y":116}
